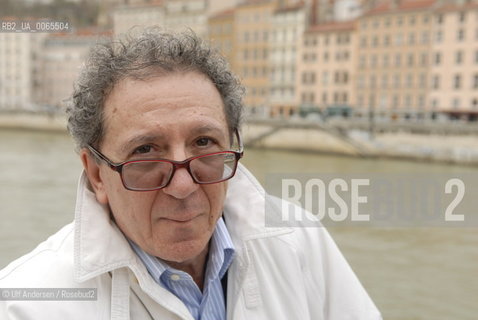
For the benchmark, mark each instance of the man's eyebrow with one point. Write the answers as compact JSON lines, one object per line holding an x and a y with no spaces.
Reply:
{"x":139,"y":140}
{"x":148,"y":138}
{"x":207,"y":129}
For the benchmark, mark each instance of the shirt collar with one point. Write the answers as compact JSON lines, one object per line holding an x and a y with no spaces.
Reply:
{"x":221,"y":254}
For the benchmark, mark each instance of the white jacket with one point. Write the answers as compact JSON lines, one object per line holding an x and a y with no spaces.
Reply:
{"x":278,"y":273}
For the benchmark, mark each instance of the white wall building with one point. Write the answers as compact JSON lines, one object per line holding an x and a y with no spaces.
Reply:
{"x":184,"y":14}
{"x":19,"y":75}
{"x":286,"y":33}
{"x":61,"y":60}
{"x":347,"y":10}
{"x":175,"y":15}
{"x":140,"y":16}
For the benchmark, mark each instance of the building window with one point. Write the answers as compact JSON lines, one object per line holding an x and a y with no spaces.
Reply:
{"x":373,"y":61}
{"x":475,"y":81}
{"x":361,"y":81}
{"x":440,"y":19}
{"x":421,"y":101}
{"x":387,"y":21}
{"x":425,"y":37}
{"x":438,"y":36}
{"x":398,"y":60}
{"x":437,"y":58}
{"x":422,"y":81}
{"x":398,"y":39}
{"x":456,"y":103}
{"x":411,"y":38}
{"x":360,"y":101}
{"x":386,"y":40}
{"x":457,"y":82}
{"x":371,"y":100}
{"x":325,"y":77}
{"x":375,"y":42}
{"x":304,"y":78}
{"x":410,"y":59}
{"x":363,"y":61}
{"x":396,"y":81}
{"x":460,"y":35}
{"x":338,"y":39}
{"x":308,"y":97}
{"x":424,"y":59}
{"x":384,"y":81}
{"x":462,"y":16}
{"x":436,"y":82}
{"x":409,"y":81}
{"x":395,"y":101}
{"x":385,"y":60}
{"x":363,"y":42}
{"x":474,"y":103}
{"x":373,"y":81}
{"x":308,"y":77}
{"x":459,"y":57}
{"x":412,"y":20}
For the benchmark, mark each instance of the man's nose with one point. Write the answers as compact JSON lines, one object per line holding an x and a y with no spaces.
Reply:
{"x":182,"y":184}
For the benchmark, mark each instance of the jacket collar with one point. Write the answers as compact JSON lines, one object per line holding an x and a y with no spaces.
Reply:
{"x":100,"y":247}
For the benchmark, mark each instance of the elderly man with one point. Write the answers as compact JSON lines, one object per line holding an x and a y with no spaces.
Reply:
{"x":161,"y":231}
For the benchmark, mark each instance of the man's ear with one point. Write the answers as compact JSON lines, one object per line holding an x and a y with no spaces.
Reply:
{"x":92,"y":169}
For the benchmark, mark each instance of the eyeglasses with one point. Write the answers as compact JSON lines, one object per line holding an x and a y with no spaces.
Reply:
{"x":154,"y":174}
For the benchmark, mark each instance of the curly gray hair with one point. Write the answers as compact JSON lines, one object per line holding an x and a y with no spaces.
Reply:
{"x":152,"y":53}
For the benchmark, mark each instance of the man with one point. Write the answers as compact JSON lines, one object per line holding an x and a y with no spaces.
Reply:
{"x":167,"y":224}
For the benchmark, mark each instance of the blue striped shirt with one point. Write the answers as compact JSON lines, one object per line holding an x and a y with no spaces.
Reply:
{"x":206,"y":305}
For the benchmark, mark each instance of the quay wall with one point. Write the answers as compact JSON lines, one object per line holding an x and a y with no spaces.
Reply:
{"x":452,"y":148}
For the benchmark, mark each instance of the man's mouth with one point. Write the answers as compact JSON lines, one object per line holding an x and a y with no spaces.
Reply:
{"x":182,"y":219}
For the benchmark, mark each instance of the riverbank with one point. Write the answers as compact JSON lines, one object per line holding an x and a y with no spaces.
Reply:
{"x":460,"y":149}
{"x":43,"y":122}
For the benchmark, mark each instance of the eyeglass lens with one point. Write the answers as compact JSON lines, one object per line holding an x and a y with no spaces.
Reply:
{"x":145,"y":174}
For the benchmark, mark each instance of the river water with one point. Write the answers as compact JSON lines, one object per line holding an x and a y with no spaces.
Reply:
{"x":419,"y":272}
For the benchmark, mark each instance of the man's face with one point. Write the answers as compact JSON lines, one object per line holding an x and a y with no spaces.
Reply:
{"x":175,"y":117}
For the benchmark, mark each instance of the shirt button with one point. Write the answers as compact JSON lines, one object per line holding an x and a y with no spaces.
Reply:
{"x":175,"y":277}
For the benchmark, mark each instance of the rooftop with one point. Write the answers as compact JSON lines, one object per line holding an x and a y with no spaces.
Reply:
{"x":403,"y":5}
{"x":293,"y":7}
{"x":223,"y":14}
{"x":332,"y":26}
